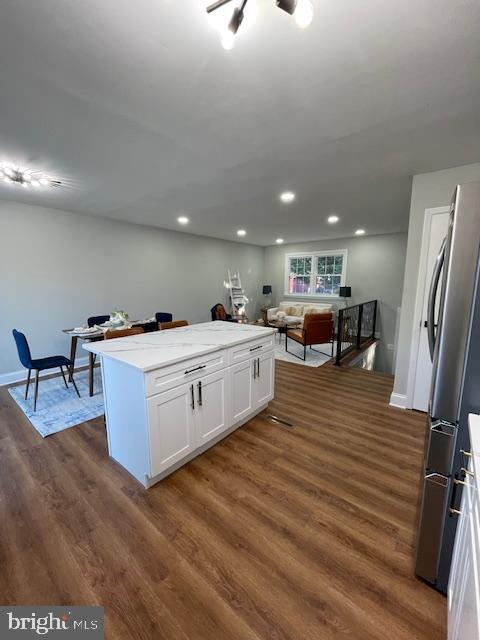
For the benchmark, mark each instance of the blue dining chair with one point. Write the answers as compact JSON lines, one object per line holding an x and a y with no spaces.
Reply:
{"x":40,"y":364}
{"x":93,"y":320}
{"x":162,"y":316}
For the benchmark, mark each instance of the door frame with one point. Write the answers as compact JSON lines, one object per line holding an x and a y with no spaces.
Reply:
{"x":419,"y":300}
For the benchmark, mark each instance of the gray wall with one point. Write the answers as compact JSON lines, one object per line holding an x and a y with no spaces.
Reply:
{"x":375,"y":267}
{"x":57,"y":268}
{"x":428,"y":190}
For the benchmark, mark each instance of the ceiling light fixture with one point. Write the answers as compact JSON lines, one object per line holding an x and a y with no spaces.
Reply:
{"x":26,"y":178}
{"x":183,"y":220}
{"x":287,"y":196}
{"x":332,"y":219}
{"x":279,"y":240}
{"x":302,"y":10}
{"x":360,"y":232}
{"x":241,"y":232}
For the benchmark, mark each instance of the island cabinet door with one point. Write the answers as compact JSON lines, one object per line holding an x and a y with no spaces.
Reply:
{"x":241,"y":384}
{"x":211,"y":406}
{"x":264,"y":375}
{"x":171,"y":417}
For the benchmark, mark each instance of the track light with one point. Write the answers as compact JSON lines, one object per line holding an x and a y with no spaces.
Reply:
{"x":302,"y":10}
{"x":236,"y":21}
{"x":287,"y":5}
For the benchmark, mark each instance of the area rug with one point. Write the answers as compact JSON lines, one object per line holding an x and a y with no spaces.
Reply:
{"x":59,"y":408}
{"x":314,"y":359}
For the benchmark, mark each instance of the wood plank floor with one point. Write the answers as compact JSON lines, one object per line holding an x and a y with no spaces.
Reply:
{"x":275,"y":533}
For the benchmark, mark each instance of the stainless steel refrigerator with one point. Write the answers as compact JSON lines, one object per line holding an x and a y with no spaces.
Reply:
{"x":455,"y":390}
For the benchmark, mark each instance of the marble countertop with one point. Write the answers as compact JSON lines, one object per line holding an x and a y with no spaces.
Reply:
{"x":158,"y":349}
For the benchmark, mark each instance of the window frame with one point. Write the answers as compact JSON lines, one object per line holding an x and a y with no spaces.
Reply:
{"x":314,"y":255}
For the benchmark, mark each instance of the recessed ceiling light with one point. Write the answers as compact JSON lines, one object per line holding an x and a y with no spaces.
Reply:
{"x":360,"y":232}
{"x":25,"y":177}
{"x":183,"y":220}
{"x":332,"y":219}
{"x":279,"y":241}
{"x":241,"y":232}
{"x":287,"y":196}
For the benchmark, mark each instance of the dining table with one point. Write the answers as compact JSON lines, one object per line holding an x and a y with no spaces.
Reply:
{"x":92,"y":334}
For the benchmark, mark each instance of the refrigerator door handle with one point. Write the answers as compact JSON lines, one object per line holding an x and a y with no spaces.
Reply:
{"x":432,"y":297}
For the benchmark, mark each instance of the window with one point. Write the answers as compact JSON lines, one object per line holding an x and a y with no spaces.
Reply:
{"x":315,"y":274}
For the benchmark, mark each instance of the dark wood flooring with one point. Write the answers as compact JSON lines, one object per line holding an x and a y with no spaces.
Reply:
{"x":275,"y":533}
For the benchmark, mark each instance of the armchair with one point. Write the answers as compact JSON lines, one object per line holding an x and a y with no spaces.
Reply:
{"x":318,"y":328}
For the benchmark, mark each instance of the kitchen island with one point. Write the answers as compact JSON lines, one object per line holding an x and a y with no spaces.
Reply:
{"x":170,"y":395}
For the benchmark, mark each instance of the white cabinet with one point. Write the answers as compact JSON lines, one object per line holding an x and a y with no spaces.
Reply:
{"x":464,"y":587}
{"x":241,"y":382}
{"x":263,"y":379}
{"x":211,"y":402}
{"x":172,"y":427}
{"x":183,"y":419}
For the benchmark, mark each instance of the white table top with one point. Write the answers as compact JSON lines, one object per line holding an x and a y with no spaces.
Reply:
{"x":158,"y":349}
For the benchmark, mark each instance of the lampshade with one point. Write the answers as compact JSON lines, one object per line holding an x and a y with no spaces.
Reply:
{"x":345,"y":292}
{"x":267,"y":289}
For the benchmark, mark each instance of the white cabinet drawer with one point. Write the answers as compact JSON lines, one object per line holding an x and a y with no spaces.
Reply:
{"x":250,"y":349}
{"x":182,"y":372}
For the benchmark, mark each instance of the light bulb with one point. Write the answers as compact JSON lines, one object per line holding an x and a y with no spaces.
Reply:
{"x":303,"y":14}
{"x":44,"y":181}
{"x":35,"y":183}
{"x":227,"y":40}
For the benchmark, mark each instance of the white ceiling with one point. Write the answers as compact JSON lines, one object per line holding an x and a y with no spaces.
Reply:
{"x":136,"y":106}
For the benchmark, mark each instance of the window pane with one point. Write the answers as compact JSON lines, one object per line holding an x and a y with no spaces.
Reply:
{"x":320,"y":285}
{"x":330,"y":263}
{"x":336,"y":284}
{"x":338,"y":265}
{"x":321,"y":264}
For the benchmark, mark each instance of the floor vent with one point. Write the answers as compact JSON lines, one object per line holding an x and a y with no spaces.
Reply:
{"x":281,"y":421}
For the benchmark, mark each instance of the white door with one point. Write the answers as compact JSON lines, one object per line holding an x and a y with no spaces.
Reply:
{"x":172,"y":427}
{"x":431,"y":243}
{"x":463,"y":587}
{"x":264,"y":379}
{"x":241,"y":381}
{"x":211,"y":406}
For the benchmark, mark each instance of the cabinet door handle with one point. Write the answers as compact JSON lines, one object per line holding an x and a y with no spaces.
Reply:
{"x":254,"y":369}
{"x":258,"y":367}
{"x":192,"y":393}
{"x":202,"y":366}
{"x":199,"y":386}
{"x":255,"y":348}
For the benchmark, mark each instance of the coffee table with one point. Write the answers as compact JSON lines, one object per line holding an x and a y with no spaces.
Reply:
{"x":282,"y":326}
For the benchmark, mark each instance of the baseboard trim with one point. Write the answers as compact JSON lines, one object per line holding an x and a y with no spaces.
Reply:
{"x":21,"y":376}
{"x":398,"y":400}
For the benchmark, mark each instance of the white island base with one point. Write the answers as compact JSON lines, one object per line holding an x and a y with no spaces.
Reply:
{"x":170,"y":395}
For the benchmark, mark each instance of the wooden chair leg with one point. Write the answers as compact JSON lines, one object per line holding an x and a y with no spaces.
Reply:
{"x":64,"y":379}
{"x":28,"y":383}
{"x":36,"y":390}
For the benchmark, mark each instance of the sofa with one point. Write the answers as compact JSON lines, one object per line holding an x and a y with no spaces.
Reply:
{"x":295,"y":311}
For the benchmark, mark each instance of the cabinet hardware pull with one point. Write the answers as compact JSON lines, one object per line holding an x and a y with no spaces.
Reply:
{"x":193,"y":396}
{"x":258,"y":367}
{"x":202,"y":366}
{"x":257,"y":347}
{"x":469,"y":473}
{"x":199,"y":385}
{"x":460,"y":482}
{"x":455,"y":512}
{"x":254,"y":369}
{"x":466,"y":453}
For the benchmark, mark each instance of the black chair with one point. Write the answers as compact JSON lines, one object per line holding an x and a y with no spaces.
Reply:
{"x":218,"y":313}
{"x":162,"y":316}
{"x":40,"y":364}
{"x":93,"y":320}
{"x":147,"y":327}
